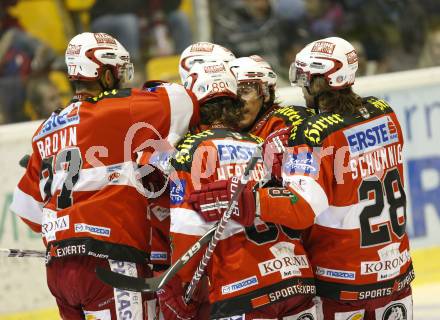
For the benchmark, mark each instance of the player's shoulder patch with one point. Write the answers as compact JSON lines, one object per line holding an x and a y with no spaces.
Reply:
{"x":376,"y":106}
{"x":115,"y":93}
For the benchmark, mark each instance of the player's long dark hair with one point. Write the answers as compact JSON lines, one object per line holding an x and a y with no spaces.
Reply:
{"x":222,"y":110}
{"x":343,"y":101}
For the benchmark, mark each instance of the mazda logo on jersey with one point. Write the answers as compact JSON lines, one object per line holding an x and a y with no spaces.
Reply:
{"x":239,"y":285}
{"x":371,"y":135}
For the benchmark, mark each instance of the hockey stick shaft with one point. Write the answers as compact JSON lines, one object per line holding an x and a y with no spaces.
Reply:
{"x":256,"y":156}
{"x":19,"y":253}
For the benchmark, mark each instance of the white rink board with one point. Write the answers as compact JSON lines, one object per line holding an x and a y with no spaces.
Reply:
{"x":415,"y":96}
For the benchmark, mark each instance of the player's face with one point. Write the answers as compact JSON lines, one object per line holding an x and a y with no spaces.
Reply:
{"x":253,"y":102}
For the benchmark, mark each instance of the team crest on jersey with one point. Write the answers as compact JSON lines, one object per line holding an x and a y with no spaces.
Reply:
{"x":301,"y":163}
{"x":177,"y":191}
{"x":396,"y":311}
{"x":307,"y":316}
{"x":67,"y":117}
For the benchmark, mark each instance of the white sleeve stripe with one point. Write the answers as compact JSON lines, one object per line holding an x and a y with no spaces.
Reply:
{"x":26,"y":206}
{"x":310,"y":190}
{"x":181,"y":110}
{"x":94,"y":179}
{"x":189,"y":222}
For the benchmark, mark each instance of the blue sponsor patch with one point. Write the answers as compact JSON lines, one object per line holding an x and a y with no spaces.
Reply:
{"x":301,"y":163}
{"x":234,"y":151}
{"x":96,"y":230}
{"x":67,"y":117}
{"x":336,"y":274}
{"x":158,"y":255}
{"x":177,"y":191}
{"x":240,"y":285}
{"x":371,"y":135}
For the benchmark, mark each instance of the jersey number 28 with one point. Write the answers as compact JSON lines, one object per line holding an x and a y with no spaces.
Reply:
{"x":381,"y":233}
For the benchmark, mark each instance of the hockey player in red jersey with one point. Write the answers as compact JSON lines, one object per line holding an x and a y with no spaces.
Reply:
{"x":81,"y":190}
{"x":345,"y":166}
{"x":258,"y":270}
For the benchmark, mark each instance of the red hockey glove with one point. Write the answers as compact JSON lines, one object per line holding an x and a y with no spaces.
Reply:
{"x":172,"y":303}
{"x":212,"y":201}
{"x":273,"y":150}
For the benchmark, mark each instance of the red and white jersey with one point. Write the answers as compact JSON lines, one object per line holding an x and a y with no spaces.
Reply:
{"x":251,"y":267}
{"x":347,"y":172}
{"x":278,"y":117}
{"x":80,"y":188}
{"x":275,"y":118}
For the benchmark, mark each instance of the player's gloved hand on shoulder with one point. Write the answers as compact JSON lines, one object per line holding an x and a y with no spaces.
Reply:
{"x":273,"y":150}
{"x":172,"y":303}
{"x":212,"y":201}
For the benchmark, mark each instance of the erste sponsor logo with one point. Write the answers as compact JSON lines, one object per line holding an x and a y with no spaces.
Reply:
{"x":234,"y":151}
{"x":371,"y":135}
{"x":67,"y":117}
